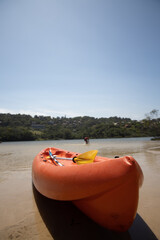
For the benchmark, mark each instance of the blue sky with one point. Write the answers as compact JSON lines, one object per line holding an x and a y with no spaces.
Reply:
{"x":98,"y":58}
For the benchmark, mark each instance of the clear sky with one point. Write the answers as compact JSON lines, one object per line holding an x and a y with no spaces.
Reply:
{"x":97,"y":58}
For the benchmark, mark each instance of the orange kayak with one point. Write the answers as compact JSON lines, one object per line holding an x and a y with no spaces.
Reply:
{"x":106,"y":190}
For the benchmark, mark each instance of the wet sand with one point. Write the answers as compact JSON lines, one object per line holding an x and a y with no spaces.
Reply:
{"x":26,"y":214}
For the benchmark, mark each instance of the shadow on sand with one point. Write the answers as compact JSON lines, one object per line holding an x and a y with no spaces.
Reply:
{"x":65,"y":222}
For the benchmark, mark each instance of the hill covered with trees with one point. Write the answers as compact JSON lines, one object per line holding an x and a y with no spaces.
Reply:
{"x":21,"y":127}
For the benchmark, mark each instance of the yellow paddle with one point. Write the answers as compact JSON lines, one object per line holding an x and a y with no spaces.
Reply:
{"x":87,"y":157}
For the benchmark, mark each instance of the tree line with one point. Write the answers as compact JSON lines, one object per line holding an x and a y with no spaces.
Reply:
{"x":21,"y":127}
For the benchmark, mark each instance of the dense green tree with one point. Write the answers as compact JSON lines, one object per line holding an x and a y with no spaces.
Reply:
{"x":17,"y":127}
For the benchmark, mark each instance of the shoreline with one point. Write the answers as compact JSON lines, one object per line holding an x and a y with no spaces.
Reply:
{"x":78,"y":139}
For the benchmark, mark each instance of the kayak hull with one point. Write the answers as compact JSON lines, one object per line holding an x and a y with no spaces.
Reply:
{"x":106,"y":190}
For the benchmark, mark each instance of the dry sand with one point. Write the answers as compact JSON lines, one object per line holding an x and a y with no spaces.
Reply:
{"x":26,"y":214}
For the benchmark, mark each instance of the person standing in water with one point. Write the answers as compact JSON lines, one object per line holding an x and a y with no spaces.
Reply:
{"x":86,"y":139}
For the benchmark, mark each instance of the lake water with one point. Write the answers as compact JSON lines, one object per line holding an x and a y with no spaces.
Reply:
{"x":20,"y":217}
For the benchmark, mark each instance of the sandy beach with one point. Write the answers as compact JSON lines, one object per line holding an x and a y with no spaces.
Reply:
{"x":26,"y":214}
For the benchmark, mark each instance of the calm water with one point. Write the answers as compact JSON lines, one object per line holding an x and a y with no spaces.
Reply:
{"x":20,"y":218}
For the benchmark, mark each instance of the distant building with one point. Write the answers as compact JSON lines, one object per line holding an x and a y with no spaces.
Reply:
{"x":37,"y":126}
